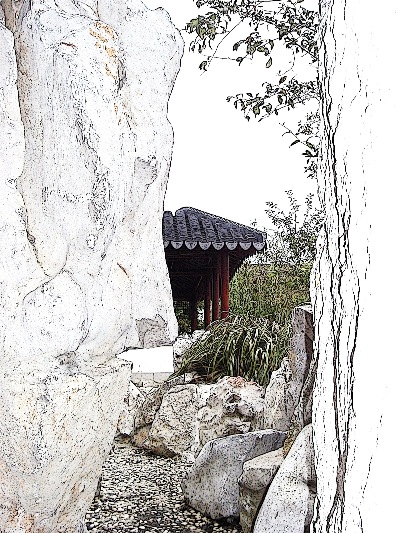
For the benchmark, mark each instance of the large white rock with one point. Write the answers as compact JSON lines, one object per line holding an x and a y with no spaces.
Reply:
{"x":288,"y":505}
{"x":192,"y":415}
{"x":284,"y":391}
{"x":211,"y":485}
{"x":93,"y":95}
{"x":57,"y":428}
{"x":175,"y":427}
{"x":85,"y":152}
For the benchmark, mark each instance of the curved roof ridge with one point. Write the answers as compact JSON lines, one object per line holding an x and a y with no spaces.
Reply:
{"x":220,"y":218}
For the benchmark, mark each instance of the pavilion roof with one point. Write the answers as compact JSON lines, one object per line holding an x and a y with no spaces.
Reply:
{"x":191,"y":227}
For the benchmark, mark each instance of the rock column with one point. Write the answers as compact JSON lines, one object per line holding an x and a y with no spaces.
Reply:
{"x":355,"y":405}
{"x":85,"y":152}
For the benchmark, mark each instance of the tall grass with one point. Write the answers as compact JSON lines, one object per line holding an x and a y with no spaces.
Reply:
{"x":270,"y":291}
{"x":237,"y":346}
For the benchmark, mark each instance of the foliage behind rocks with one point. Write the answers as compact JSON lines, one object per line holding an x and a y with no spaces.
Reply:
{"x":270,"y":291}
{"x":237,"y":346}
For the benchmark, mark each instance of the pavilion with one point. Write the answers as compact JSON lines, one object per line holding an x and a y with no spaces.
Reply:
{"x":203,"y":252}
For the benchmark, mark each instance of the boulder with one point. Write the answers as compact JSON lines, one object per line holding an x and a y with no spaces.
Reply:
{"x":233,"y":406}
{"x":57,"y":429}
{"x":288,"y":505}
{"x":131,"y":405}
{"x":257,"y":476}
{"x":191,"y":415}
{"x":85,"y":151}
{"x":211,"y":484}
{"x":175,"y":427}
{"x":153,"y":397}
{"x":284,"y":390}
{"x":279,"y":403}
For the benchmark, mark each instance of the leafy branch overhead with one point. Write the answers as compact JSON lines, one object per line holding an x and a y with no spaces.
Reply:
{"x":267,"y":23}
{"x":294,"y":25}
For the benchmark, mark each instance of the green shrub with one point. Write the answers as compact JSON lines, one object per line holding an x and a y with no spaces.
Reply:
{"x":269,"y":291}
{"x":237,"y":346}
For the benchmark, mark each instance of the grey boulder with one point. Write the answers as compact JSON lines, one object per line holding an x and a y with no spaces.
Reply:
{"x":288,"y":505}
{"x":211,"y":485}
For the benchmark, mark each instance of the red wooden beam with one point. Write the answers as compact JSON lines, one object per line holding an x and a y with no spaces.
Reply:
{"x":207,"y":303}
{"x":215,"y":296}
{"x":225,"y":285}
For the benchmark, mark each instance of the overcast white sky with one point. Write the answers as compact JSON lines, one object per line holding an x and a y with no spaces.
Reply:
{"x":222,"y":163}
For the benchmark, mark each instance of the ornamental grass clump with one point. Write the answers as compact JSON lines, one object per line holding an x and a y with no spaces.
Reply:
{"x":237,"y":346}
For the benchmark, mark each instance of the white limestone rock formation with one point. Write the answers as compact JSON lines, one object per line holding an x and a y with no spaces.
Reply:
{"x":285,"y":389}
{"x":257,"y":476}
{"x":153,"y":399}
{"x":58,"y":426}
{"x":85,"y":150}
{"x":288,"y":505}
{"x":175,"y":427}
{"x":211,"y":485}
{"x":233,"y":406}
{"x":356,"y":290}
{"x":131,"y":405}
{"x":191,"y":415}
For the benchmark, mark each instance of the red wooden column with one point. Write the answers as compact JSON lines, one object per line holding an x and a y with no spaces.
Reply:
{"x":215,"y":296}
{"x":193,"y":315}
{"x":207,"y":303}
{"x":225,"y":284}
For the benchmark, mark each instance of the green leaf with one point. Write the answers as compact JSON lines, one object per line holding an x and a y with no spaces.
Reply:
{"x":283,"y":79}
{"x":269,"y":62}
{"x":192,"y":24}
{"x":295,"y":142}
{"x":256,"y":110}
{"x":203,"y":65}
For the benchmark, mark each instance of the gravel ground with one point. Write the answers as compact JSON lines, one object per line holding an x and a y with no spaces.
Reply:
{"x":141,"y":493}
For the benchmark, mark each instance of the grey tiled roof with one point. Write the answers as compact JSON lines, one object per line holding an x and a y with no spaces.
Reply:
{"x":192,"y":227}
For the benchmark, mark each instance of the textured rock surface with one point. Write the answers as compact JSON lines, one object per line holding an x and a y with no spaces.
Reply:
{"x":153,"y":399}
{"x":211,"y":485}
{"x":131,"y":405}
{"x":192,"y":415}
{"x":284,"y":391}
{"x":288,"y":505}
{"x":60,"y":426}
{"x":233,"y":406}
{"x":257,"y":476}
{"x":85,"y":152}
{"x":175,"y":427}
{"x":356,"y":298}
{"x":83,"y":106}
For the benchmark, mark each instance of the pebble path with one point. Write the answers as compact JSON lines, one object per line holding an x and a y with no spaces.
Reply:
{"x":140,"y":493}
